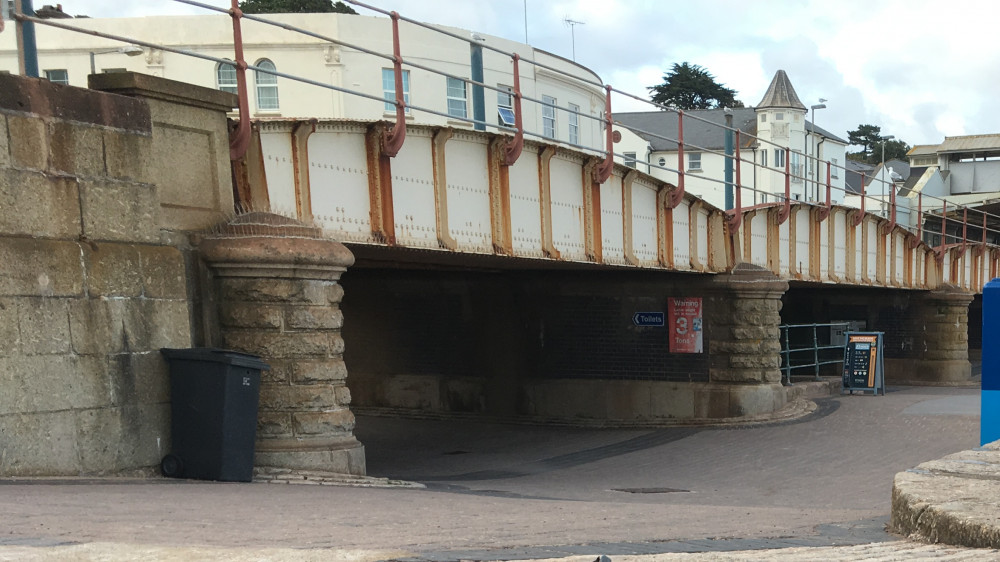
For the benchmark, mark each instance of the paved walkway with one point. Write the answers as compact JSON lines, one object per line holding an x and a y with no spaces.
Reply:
{"x":508,"y":492}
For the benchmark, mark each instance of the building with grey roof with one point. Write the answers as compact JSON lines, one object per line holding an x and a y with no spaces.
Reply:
{"x":772,"y":134}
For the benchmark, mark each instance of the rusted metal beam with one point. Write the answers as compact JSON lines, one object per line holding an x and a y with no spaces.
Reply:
{"x":605,"y":168}
{"x":592,"y":239}
{"x":786,"y":208}
{"x":439,"y":166}
{"x":627,"y":218}
{"x":300,"y":168}
{"x":380,"y":186}
{"x":240,"y":137}
{"x":499,"y":193}
{"x":545,"y":200}
{"x":516,"y":145}
{"x":394,"y":140}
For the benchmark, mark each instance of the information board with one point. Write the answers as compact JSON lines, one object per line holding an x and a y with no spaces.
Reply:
{"x":864,"y":369}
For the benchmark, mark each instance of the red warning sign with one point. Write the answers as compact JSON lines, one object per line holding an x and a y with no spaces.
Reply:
{"x":684,"y":321}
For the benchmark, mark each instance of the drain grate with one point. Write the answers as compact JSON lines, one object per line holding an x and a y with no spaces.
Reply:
{"x":650,"y":490}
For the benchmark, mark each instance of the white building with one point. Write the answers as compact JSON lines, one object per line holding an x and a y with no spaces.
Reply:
{"x":782,"y":132}
{"x":568,"y":109}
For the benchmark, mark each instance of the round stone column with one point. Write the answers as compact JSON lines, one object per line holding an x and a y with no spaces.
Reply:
{"x":276,"y":291}
{"x":943,"y":353}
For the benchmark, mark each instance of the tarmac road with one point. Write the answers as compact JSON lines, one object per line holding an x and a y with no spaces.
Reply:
{"x":497,"y":491}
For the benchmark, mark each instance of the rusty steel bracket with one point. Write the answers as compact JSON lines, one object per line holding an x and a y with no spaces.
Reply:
{"x":860,"y":216}
{"x":239,"y":140}
{"x":515,"y":146}
{"x":394,"y":140}
{"x":605,"y":168}
{"x":824,"y":211}
{"x":786,"y":208}
{"x":677,"y":195}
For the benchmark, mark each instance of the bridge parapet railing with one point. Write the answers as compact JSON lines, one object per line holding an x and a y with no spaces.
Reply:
{"x":951,"y":228}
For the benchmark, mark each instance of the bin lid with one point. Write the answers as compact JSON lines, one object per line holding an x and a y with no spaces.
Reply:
{"x":216,"y":355}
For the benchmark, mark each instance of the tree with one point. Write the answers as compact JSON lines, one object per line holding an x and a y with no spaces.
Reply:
{"x":294,"y":7}
{"x":689,"y":86}
{"x":869,"y":137}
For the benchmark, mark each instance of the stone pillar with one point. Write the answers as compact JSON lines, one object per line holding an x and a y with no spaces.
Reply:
{"x":741,"y":322}
{"x":941,"y":348}
{"x":277,"y":295}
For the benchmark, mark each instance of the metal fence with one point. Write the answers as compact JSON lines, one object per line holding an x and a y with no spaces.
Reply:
{"x":810,"y":354}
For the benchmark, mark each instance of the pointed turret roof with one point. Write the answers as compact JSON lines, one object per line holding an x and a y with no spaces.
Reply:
{"x":780,"y":94}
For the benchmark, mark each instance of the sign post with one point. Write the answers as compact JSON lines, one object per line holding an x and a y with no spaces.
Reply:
{"x":684,"y":323}
{"x":864,"y":369}
{"x":989,"y":419}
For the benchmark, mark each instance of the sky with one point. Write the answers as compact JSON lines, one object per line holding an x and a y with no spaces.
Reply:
{"x":919,"y":69}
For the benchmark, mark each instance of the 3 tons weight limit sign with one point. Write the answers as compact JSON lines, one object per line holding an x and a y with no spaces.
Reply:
{"x":684,"y":322}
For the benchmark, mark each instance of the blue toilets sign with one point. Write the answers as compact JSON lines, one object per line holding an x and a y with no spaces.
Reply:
{"x":989,"y":419}
{"x":648,"y":319}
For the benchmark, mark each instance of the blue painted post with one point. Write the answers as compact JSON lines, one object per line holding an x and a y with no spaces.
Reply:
{"x":729,"y":160}
{"x":28,"y":54}
{"x":989,"y":420}
{"x":478,"y":95}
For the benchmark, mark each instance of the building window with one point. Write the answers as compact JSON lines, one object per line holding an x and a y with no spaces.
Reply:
{"x":779,"y":157}
{"x":549,"y":116}
{"x":779,"y":116}
{"x":457,"y":105}
{"x":629,"y":159}
{"x":389,"y":88}
{"x":833,"y":168}
{"x":59,"y":76}
{"x":796,"y":168}
{"x":574,"y":124}
{"x":763,"y":118}
{"x":505,"y":105}
{"x":763,"y":157}
{"x":225,"y":78}
{"x":267,"y":86}
{"x":694,"y":161}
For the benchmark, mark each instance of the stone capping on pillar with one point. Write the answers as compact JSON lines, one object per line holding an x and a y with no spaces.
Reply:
{"x":277,"y":294}
{"x":135,"y":84}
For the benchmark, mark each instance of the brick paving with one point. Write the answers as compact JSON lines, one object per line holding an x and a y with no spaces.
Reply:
{"x":505,"y":492}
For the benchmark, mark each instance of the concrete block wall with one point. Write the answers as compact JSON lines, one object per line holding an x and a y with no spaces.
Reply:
{"x":91,"y":284}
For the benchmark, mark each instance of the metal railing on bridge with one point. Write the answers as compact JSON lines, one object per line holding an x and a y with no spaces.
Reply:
{"x":955,"y":223}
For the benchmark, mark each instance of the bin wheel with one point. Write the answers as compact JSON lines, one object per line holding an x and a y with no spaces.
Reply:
{"x":172,"y":466}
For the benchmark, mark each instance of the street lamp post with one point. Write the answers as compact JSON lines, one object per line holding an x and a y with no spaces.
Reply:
{"x":815,"y":175}
{"x":884,"y":193}
{"x":130,"y":50}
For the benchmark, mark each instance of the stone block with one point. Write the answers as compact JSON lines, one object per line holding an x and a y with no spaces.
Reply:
{"x":297,"y":397}
{"x":250,"y":315}
{"x":343,"y":395}
{"x":755,"y":399}
{"x":671,"y":400}
{"x":44,"y":268}
{"x":184,"y":167}
{"x":280,"y":372}
{"x":112,"y":440}
{"x":96,"y":326}
{"x":113,"y":270}
{"x":314,"y":318}
{"x":419,"y":392}
{"x":323,"y":423}
{"x":45,"y":383}
{"x":10,"y":335}
{"x":33,"y":204}
{"x":39,"y":444}
{"x":270,"y":290}
{"x":119,"y":211}
{"x":283,"y":345}
{"x":627,"y":400}
{"x":29,"y":146}
{"x":348,"y":458}
{"x":127,"y":156}
{"x":4,"y":143}
{"x":274,"y":424}
{"x":169,"y":323}
{"x":164,"y":274}
{"x":138,"y":378}
{"x":43,"y":324}
{"x":77,"y":150}
{"x":319,"y":370}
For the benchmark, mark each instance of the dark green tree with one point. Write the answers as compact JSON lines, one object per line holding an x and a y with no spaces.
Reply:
{"x":865,"y":136}
{"x":295,"y":7}
{"x":689,"y":86}
{"x":869,"y":137}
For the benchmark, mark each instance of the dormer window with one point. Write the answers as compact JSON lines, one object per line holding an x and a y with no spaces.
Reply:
{"x":763,"y":118}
